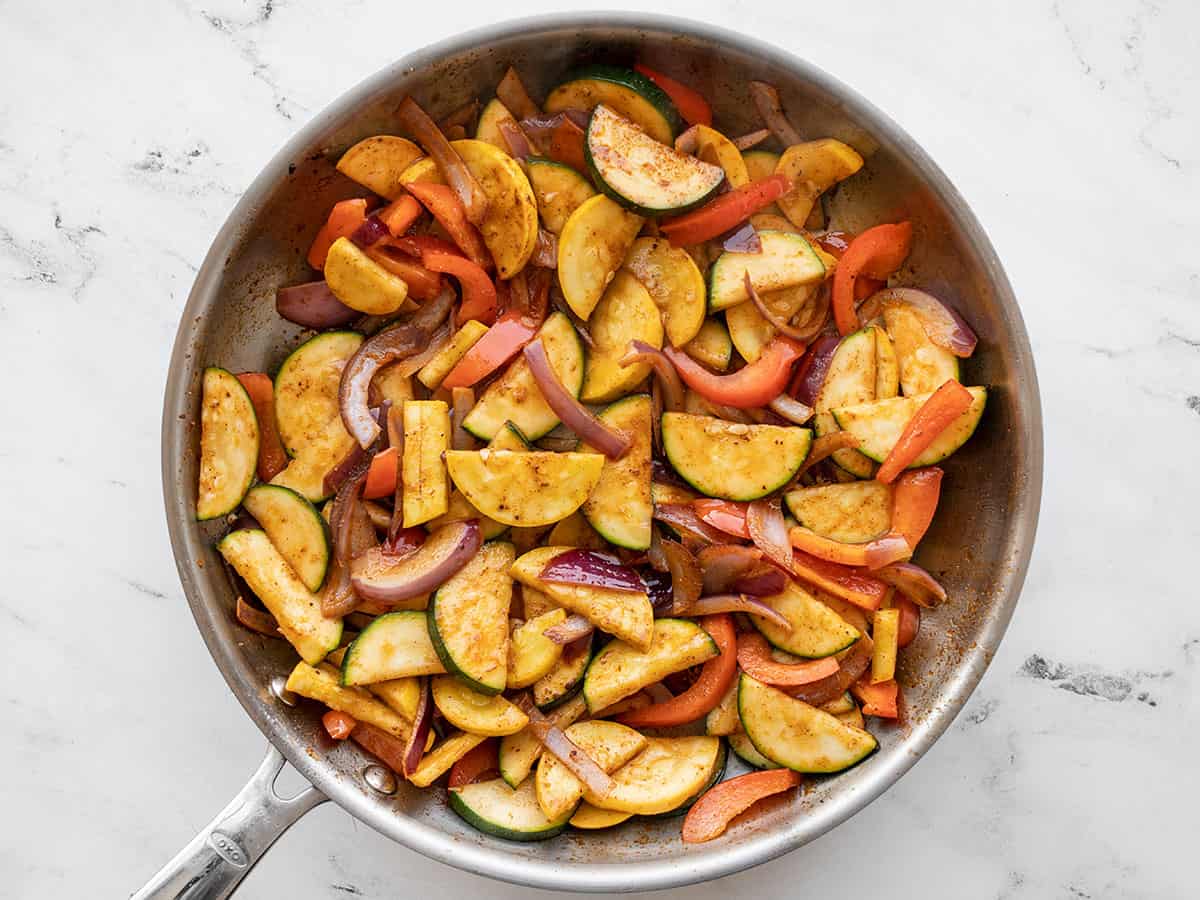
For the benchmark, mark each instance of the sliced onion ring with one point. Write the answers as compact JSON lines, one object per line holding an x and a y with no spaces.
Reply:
{"x":753,"y":139}
{"x":464,"y":401}
{"x":545,"y":251}
{"x":664,"y":370}
{"x":765,"y":583}
{"x":417,"y":122}
{"x":723,"y":564}
{"x":742,"y":239}
{"x":853,"y":661}
{"x":512,"y":93}
{"x":813,"y":367}
{"x":574,"y":414}
{"x":515,"y":137}
{"x":730,"y":603}
{"x":778,"y":322}
{"x":313,"y":305}
{"x":422,"y":720}
{"x":415,"y":363}
{"x":887,"y":550}
{"x":764,"y":519}
{"x":256,"y":619}
{"x":445,"y":552}
{"x":570,"y":629}
{"x":914,"y":582}
{"x":686,"y":579}
{"x":591,"y":569}
{"x":791,"y":409}
{"x":557,"y":744}
{"x":942,"y":323}
{"x":688,"y":140}
{"x":770,"y":107}
{"x":682,"y":517}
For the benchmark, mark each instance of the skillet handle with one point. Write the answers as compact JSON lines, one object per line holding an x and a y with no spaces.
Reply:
{"x":212,"y":865}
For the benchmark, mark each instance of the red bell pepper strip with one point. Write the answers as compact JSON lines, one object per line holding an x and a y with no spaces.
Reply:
{"x":705,"y":693}
{"x":728,"y":516}
{"x":566,"y":145}
{"x":882,"y":700}
{"x":754,"y":385}
{"x":272,"y":459}
{"x":343,"y":221}
{"x":690,"y":102}
{"x":502,"y":342}
{"x":400,"y":214}
{"x":754,"y":656}
{"x":725,"y":212}
{"x":910,"y":620}
{"x":852,"y":585}
{"x":422,"y":283}
{"x":722,"y":803}
{"x":381,"y":477}
{"x":914,"y":501}
{"x":936,"y":414}
{"x":479,"y":760}
{"x":338,"y":724}
{"x":876,"y":253}
{"x":441,"y":200}
{"x":478,"y":291}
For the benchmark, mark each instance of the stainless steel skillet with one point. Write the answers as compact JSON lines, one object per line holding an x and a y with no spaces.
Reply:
{"x":980,"y":544}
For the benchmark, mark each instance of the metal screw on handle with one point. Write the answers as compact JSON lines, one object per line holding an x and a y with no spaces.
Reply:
{"x":212,"y":865}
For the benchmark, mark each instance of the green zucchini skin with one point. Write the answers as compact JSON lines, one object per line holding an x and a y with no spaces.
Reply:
{"x":466,"y":802}
{"x":717,"y":775}
{"x":631,"y":80}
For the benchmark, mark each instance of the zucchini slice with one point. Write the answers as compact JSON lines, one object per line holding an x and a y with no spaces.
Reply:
{"x":361,"y":283}
{"x":426,"y":490}
{"x":521,"y":488}
{"x":436,"y":762}
{"x":519,"y":752}
{"x":594,"y":242}
{"x":432,"y":373}
{"x":786,"y":259}
{"x":924,"y":366}
{"x":228,"y":444}
{"x":609,"y":744}
{"x":620,"y":670}
{"x":509,"y":227}
{"x":850,"y":379}
{"x":459,"y":509}
{"x":619,"y":507}
{"x":514,"y":396}
{"x":532,"y":655}
{"x":378,"y":162}
{"x":675,"y":285}
{"x":625,"y":313}
{"x":590,"y":817}
{"x":853,"y":513}
{"x":476,"y":713}
{"x":887,"y":366}
{"x":817,"y":631}
{"x":621,"y":613}
{"x":468,"y":619}
{"x":488,"y":129}
{"x":761,"y":164}
{"x":563,"y":681}
{"x":718,"y":772}
{"x":746,"y":751}
{"x":574,"y":530}
{"x":712,"y":345}
{"x":496,"y":809}
{"x":644,"y":175}
{"x":732,"y":460}
{"x":629,"y":93}
{"x":295,"y":528}
{"x":664,"y":776}
{"x":796,"y":735}
{"x":321,"y":683}
{"x":713,"y":147}
{"x":750,"y":332}
{"x":559,"y":190}
{"x":510,"y":437}
{"x":295,"y":607}
{"x":813,"y":168}
{"x":722,"y":720}
{"x":879,"y":425}
{"x":395,"y":645}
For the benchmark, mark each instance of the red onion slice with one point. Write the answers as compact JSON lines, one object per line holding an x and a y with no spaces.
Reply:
{"x":386,"y":347}
{"x":570,"y":629}
{"x":770,"y":107}
{"x":256,"y":619}
{"x":557,"y":744}
{"x":545,"y":251}
{"x":512,"y":93}
{"x":517,"y":140}
{"x":722,"y":565}
{"x":914,"y":582}
{"x":664,"y":370}
{"x":683,"y":518}
{"x":422,"y":720}
{"x":778,"y":322}
{"x":810,"y":376}
{"x":686,"y":579}
{"x":730,"y":603}
{"x":942,"y":323}
{"x":592,"y":569}
{"x":445,"y":552}
{"x":574,"y":414}
{"x":313,"y":305}
{"x":659,"y":590}
{"x":889,"y":549}
{"x":688,"y":140}
{"x":463,"y":399}
{"x":765,"y":583}
{"x":793,"y":410}
{"x":415,"y":363}
{"x":742,"y":239}
{"x":764,"y":519}
{"x":753,"y":139}
{"x":853,"y":661}
{"x":417,"y":122}
{"x":370,"y":232}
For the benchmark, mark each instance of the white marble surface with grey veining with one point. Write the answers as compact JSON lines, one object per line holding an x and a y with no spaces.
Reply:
{"x":127,"y":131}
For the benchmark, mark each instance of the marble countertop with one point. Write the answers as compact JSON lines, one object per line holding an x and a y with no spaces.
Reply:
{"x":127,"y":132}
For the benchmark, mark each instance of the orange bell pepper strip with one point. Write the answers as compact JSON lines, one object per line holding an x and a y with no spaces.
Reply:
{"x":875,"y":253}
{"x":502,"y":342}
{"x":914,"y":501}
{"x":690,"y":102}
{"x":343,"y":221}
{"x":400,"y":214}
{"x":728,"y":516}
{"x":754,"y":385}
{"x":852,"y":585}
{"x":479,"y":760}
{"x":874,"y":555}
{"x":381,"y":476}
{"x":338,"y":724}
{"x":882,"y":700}
{"x":910,"y":620}
{"x":936,"y":414}
{"x":725,"y":212}
{"x":478,"y":291}
{"x":754,"y":656}
{"x":441,"y":200}
{"x":722,"y":803}
{"x":422,"y":283}
{"x":705,"y":693}
{"x":272,"y":459}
